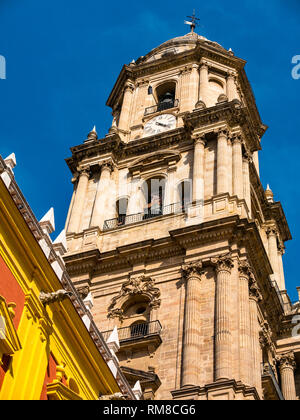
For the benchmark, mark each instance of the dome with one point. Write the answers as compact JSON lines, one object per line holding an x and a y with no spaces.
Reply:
{"x":178,"y":45}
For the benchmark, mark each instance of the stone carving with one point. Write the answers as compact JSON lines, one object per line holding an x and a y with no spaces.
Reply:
{"x":115,"y":397}
{"x":193,"y":268}
{"x":245,"y":269}
{"x":59,"y":296}
{"x":254,"y":290}
{"x":287,"y":361}
{"x":83,"y":292}
{"x":222,"y":98}
{"x":142,"y":285}
{"x":223,"y":263}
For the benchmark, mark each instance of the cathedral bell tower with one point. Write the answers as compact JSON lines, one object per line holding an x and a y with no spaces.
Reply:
{"x":171,"y":229}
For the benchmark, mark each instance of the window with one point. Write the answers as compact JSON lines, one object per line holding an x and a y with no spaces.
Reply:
{"x":122,"y":205}
{"x":185,"y":194}
{"x":166,"y":95}
{"x":154,"y":192}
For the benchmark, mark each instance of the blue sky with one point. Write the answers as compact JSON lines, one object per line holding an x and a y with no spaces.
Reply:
{"x":63,"y":58}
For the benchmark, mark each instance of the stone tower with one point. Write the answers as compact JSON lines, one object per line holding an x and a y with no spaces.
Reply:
{"x":175,"y":236}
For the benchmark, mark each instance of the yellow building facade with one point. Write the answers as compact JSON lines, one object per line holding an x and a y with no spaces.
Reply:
{"x":50,"y":348}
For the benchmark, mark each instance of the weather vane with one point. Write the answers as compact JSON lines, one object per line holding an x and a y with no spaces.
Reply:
{"x":193,"y":23}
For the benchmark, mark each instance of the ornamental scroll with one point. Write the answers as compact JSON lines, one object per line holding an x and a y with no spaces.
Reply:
{"x":143,"y":286}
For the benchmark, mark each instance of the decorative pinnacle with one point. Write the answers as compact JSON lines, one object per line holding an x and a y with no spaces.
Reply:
{"x":93,"y":135}
{"x":269,"y":194}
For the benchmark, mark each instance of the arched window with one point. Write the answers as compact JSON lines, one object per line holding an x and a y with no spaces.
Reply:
{"x":122,"y":205}
{"x":166,"y":95}
{"x":154,"y":192}
{"x":185,"y":194}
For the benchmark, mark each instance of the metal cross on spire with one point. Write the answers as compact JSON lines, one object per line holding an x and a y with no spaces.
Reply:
{"x":194,"y":21}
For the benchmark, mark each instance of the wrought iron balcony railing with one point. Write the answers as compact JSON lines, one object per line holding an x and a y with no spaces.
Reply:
{"x":137,"y":331}
{"x":124,"y":220}
{"x":161,"y":107}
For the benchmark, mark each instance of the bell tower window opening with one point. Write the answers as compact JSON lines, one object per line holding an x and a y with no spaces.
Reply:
{"x":185,"y":194}
{"x":166,"y":95}
{"x":154,"y":193}
{"x":122,"y":206}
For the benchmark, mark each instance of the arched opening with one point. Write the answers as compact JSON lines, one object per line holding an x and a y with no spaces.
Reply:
{"x":166,"y":95}
{"x":185,"y":194}
{"x":216,"y":89}
{"x":154,"y":193}
{"x":122,"y":206}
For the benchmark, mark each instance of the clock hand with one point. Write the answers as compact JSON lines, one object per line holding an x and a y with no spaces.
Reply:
{"x":163,"y":125}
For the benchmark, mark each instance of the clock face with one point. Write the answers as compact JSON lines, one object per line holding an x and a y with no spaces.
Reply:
{"x":160,"y":124}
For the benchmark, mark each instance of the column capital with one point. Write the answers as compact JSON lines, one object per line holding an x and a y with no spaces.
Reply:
{"x":223,"y":263}
{"x":129,"y":86}
{"x":192,"y":269}
{"x":85,"y":171}
{"x":287,"y":361}
{"x":199,"y":138}
{"x":204,"y":65}
{"x":272,"y":231}
{"x":223,"y":132}
{"x":106,"y":165}
{"x":254,"y":290}
{"x":237,"y":138}
{"x":245,"y":270}
{"x":231,"y":75}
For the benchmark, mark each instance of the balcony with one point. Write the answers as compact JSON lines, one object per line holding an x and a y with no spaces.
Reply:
{"x":270,"y":385}
{"x":124,"y":220}
{"x":138,"y":335}
{"x":161,"y":107}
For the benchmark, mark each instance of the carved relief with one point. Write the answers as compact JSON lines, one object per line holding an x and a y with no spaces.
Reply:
{"x":193,"y":268}
{"x":287,"y":361}
{"x":254,"y":290}
{"x":144,"y":286}
{"x":223,"y":263}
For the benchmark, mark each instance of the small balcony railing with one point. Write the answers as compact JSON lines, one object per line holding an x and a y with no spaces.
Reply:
{"x":137,"y":331}
{"x":161,"y":107}
{"x":124,"y":220}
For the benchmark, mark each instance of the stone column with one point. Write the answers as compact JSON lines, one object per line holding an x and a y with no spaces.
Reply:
{"x":246,"y":358}
{"x":237,"y":167}
{"x":192,"y":333}
{"x":256,"y":161}
{"x":79,"y":201}
{"x":273,"y":253}
{"x":223,"y":337}
{"x":194,"y":87}
{"x":185,"y":90}
{"x":247,"y":188}
{"x":204,"y":84}
{"x":255,"y":297}
{"x":231,"y":87}
{"x":198,"y":168}
{"x":100,"y":211}
{"x":126,"y":107}
{"x":281,"y":268}
{"x":287,"y":365}
{"x":222,"y":162}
